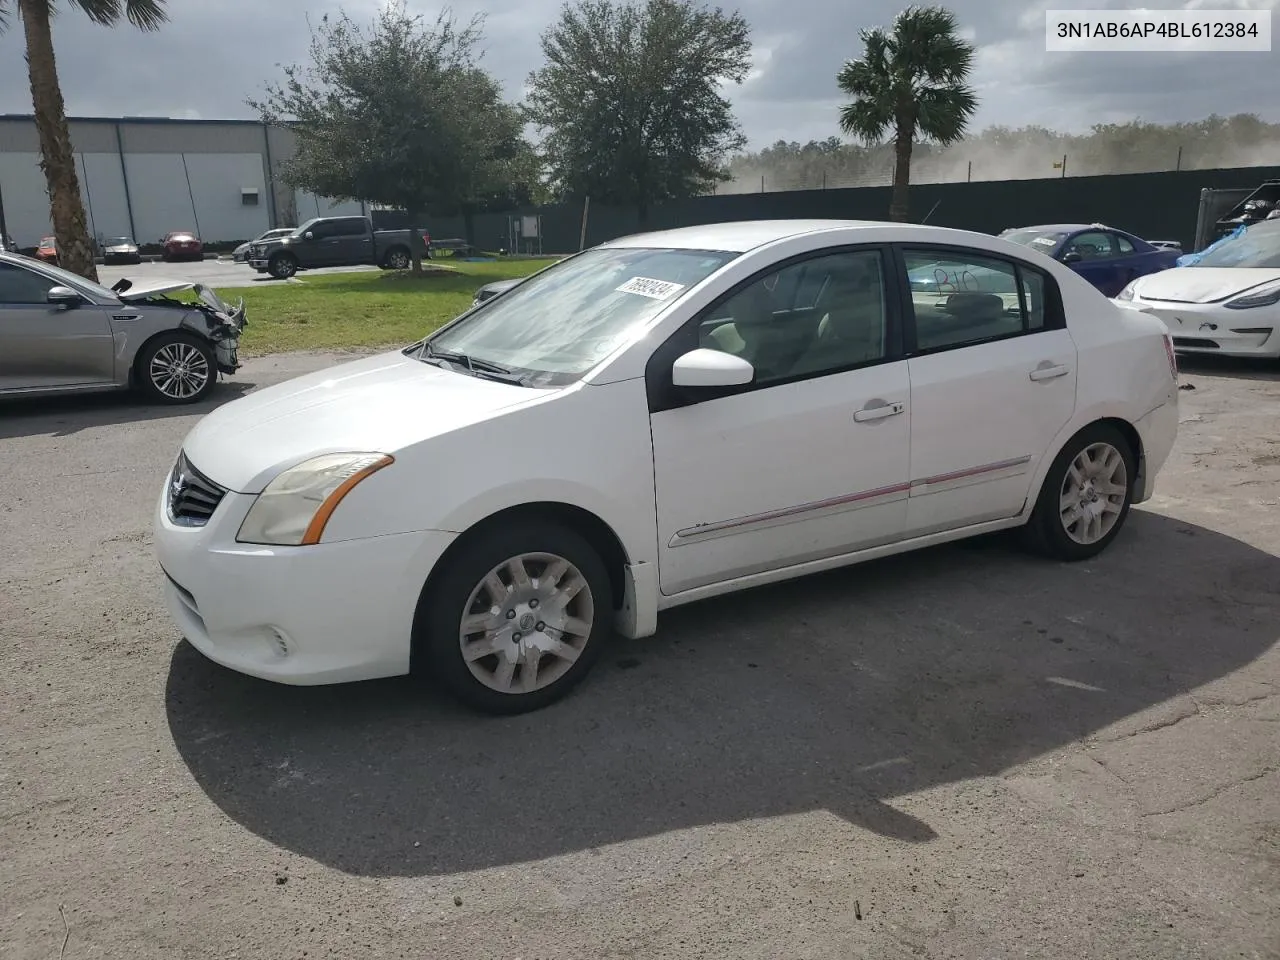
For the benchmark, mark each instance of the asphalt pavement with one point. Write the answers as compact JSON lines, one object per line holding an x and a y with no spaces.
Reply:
{"x":219,"y":274}
{"x":960,"y":753}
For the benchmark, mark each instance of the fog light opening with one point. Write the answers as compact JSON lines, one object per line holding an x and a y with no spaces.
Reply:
{"x":280,"y":643}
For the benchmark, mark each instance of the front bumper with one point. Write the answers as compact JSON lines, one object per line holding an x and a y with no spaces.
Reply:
{"x":259,"y":265}
{"x":1203,"y":328}
{"x":328,"y":613}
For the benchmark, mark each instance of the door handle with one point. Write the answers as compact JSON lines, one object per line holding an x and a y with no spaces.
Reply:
{"x":878,"y":411}
{"x":1050,"y":371}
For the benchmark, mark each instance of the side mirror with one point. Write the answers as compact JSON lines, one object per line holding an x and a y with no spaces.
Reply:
{"x":63,"y":297}
{"x":1072,"y":256}
{"x":308,"y":235}
{"x":711,"y":368}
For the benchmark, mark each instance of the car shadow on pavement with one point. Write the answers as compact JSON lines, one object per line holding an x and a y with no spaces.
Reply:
{"x":63,"y":416}
{"x":836,"y":692}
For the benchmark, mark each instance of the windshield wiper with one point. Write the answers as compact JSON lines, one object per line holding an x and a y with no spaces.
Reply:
{"x":476,"y":367}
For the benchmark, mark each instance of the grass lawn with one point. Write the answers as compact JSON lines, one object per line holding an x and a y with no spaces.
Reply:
{"x":374,"y":309}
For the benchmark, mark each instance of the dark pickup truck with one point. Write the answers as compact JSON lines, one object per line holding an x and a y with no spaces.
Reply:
{"x":331,"y":242}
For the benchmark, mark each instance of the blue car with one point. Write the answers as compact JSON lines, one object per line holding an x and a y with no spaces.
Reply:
{"x":1108,"y":258}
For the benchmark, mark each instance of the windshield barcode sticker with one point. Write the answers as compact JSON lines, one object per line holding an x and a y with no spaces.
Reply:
{"x":653,"y":289}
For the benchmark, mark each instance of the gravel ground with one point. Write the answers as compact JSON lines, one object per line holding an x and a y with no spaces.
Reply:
{"x":963,"y":753}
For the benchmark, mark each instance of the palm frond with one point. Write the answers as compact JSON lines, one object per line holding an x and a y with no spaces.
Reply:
{"x":143,"y":14}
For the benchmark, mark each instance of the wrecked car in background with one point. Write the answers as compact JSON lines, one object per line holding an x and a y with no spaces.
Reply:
{"x":64,"y":334}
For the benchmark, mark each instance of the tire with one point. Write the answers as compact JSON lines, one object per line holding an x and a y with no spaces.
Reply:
{"x":461,"y":594}
{"x":397,"y":259}
{"x":282,"y":266}
{"x":155,"y":374}
{"x":1092,"y":517}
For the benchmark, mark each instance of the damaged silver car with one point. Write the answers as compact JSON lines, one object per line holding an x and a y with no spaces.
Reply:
{"x":60,"y":333}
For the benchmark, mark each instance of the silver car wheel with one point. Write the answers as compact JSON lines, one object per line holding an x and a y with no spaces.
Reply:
{"x":398,"y":260}
{"x":1093,"y":493}
{"x":526,"y":623}
{"x":179,"y":371}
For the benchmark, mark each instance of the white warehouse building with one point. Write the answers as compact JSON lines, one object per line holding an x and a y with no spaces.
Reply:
{"x":144,"y":177}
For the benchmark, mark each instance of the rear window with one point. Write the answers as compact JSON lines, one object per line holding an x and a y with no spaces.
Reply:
{"x":1045,"y":241}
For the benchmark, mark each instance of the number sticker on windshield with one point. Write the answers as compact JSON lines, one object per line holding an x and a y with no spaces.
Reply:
{"x":653,"y":289}
{"x":1045,"y":241}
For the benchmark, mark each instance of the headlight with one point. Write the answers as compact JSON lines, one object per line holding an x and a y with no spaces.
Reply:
{"x":296,"y":505}
{"x":1127,"y":292}
{"x":1263,"y":296}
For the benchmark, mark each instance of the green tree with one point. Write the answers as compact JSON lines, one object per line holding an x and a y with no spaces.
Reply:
{"x":57,"y":158}
{"x":629,"y":102}
{"x":398,"y":113}
{"x":911,"y":81}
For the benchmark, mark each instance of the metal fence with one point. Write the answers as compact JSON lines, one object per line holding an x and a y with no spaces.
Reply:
{"x":984,"y":163}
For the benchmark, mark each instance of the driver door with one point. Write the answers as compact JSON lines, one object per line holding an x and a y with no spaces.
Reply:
{"x":1097,"y":263}
{"x":807,"y":462}
{"x":47,"y":346}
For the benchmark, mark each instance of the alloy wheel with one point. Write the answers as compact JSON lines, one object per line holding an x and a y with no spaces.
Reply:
{"x":179,"y":371}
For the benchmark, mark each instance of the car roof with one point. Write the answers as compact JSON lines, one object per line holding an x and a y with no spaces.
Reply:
{"x":741,"y":236}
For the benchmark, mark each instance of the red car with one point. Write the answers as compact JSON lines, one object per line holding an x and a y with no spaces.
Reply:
{"x":182,"y":245}
{"x":48,"y":250}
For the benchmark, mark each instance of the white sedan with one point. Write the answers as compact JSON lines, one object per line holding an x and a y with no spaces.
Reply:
{"x":1226,"y":304}
{"x":660,"y":419}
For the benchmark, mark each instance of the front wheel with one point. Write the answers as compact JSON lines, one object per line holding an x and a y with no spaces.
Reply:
{"x":177,"y":368}
{"x":282,"y":266}
{"x":1086,"y":496}
{"x":517,"y":618}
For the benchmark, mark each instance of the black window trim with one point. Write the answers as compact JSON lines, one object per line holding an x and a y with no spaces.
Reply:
{"x":1054,"y":313}
{"x":662,"y":395}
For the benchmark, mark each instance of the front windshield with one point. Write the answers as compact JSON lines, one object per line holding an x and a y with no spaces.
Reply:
{"x":305,"y":227}
{"x":1258,"y":246}
{"x":1042,"y":240}
{"x":78,"y":282}
{"x":276,"y":233}
{"x":558,"y":324}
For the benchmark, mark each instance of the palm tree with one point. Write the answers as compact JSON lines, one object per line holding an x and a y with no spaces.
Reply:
{"x":913,"y":81}
{"x":75,"y":249}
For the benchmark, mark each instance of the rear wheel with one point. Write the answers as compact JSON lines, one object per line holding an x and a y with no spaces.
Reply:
{"x":516,"y":619}
{"x":1086,"y":496}
{"x":177,"y":368}
{"x":398,"y":259}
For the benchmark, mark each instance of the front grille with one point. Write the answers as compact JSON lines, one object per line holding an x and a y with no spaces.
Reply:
{"x":192,"y":496}
{"x":1196,"y":342}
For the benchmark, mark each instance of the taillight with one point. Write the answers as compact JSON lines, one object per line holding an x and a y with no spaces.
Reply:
{"x":1173,"y":358}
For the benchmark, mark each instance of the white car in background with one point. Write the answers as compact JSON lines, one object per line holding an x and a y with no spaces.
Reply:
{"x":660,"y":419}
{"x":1226,"y":304}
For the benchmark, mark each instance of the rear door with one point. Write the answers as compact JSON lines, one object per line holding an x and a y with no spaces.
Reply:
{"x":354,"y":241}
{"x":993,"y":381}
{"x":42,"y":345}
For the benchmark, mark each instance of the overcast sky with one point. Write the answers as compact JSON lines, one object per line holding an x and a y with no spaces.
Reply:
{"x":215,"y":53}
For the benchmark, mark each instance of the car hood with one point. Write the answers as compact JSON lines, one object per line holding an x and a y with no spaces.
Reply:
{"x":1202,"y":284}
{"x":153,"y":288}
{"x":379,"y":404}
